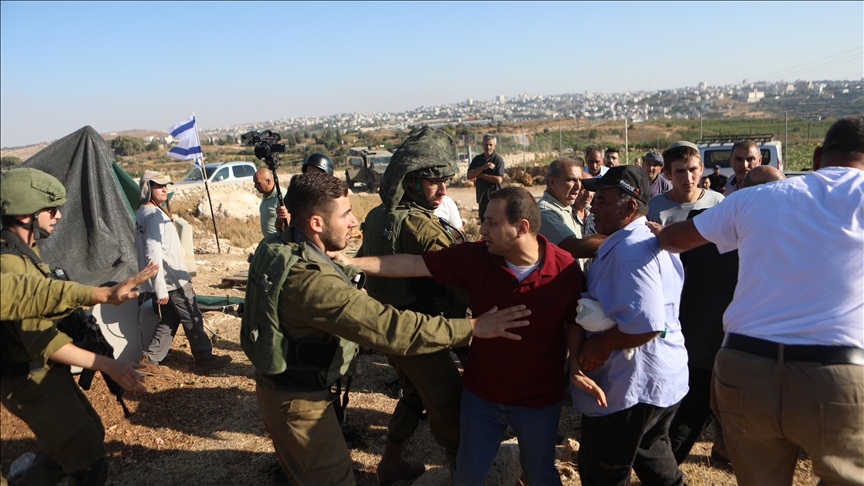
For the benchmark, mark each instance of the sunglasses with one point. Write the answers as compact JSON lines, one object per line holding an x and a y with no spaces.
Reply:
{"x":52,"y":211}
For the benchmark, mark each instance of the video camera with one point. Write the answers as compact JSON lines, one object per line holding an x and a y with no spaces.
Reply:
{"x":266,"y":145}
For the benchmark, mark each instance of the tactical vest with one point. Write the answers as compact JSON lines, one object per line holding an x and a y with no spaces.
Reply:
{"x":274,"y":349}
{"x":381,"y":231}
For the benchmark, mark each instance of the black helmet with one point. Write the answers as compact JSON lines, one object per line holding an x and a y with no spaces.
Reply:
{"x":319,"y":161}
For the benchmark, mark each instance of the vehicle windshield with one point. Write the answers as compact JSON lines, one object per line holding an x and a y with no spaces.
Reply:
{"x":195,"y":174}
{"x":380,"y":162}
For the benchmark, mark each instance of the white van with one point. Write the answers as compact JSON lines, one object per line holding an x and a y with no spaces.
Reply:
{"x":716,"y":151}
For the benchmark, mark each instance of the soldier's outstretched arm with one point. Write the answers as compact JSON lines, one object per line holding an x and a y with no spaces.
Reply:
{"x":123,"y":291}
{"x":397,"y":266}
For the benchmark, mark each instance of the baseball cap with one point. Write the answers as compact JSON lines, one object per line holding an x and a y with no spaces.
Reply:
{"x":157,"y":177}
{"x":717,"y":167}
{"x":628,"y":178}
{"x":654,"y":157}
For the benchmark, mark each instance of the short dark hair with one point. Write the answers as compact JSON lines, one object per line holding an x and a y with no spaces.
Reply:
{"x":557,"y":166}
{"x":748,"y":144}
{"x":612,"y":150}
{"x":845,"y":135}
{"x":593,"y":148}
{"x":679,"y":153}
{"x":519,"y":204}
{"x":313,"y":193}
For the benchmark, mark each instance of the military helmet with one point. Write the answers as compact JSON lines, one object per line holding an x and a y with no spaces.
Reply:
{"x":319,"y":161}
{"x":430,"y":154}
{"x":25,"y":191}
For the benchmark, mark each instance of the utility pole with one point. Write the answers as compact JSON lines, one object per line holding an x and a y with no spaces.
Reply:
{"x":560,"y":140}
{"x":523,"y":148}
{"x":700,"y":127}
{"x":786,"y":143}
{"x":626,"y":142}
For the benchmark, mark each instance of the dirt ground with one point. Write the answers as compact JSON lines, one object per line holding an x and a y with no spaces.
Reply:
{"x":206,"y":429}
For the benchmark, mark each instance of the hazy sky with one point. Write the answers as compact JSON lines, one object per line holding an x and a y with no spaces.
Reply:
{"x":120,"y":66}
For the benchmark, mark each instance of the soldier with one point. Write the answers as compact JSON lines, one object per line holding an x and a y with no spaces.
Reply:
{"x":412,"y":188}
{"x":36,"y":384}
{"x":301,"y":311}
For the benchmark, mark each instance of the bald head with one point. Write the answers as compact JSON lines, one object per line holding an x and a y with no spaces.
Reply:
{"x":762,"y":174}
{"x":263,"y":180}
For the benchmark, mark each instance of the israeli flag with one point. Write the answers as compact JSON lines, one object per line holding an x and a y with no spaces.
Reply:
{"x":188,"y":146}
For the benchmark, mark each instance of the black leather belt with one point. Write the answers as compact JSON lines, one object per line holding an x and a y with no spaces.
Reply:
{"x":826,"y":355}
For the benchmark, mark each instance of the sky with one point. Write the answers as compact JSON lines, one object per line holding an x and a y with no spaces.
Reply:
{"x":142,"y":65}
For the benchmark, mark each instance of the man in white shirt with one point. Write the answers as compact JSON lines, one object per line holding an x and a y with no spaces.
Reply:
{"x":791,"y":370}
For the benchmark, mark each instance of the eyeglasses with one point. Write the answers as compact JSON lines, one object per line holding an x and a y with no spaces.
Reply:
{"x":52,"y":211}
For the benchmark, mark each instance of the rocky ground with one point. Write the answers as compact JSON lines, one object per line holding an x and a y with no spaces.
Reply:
{"x":206,"y":429}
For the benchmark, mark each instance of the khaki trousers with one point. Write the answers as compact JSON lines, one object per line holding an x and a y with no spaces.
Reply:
{"x":67,"y":427}
{"x":770,"y":409}
{"x":430,"y":380}
{"x":306,"y":434}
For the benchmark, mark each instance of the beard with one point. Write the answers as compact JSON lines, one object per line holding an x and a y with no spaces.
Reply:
{"x":332,"y":240}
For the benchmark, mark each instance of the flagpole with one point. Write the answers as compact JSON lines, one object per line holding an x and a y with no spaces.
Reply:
{"x":207,"y":189}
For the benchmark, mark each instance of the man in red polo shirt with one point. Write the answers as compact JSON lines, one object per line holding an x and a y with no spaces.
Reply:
{"x":515,"y":383}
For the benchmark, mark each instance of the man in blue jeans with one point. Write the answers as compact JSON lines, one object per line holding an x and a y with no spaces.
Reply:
{"x":507,"y":382}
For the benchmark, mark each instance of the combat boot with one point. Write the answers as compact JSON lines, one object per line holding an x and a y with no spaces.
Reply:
{"x":211,"y":362}
{"x":393,"y":468}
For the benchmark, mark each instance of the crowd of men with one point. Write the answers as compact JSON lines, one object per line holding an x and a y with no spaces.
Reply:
{"x":758,"y":325}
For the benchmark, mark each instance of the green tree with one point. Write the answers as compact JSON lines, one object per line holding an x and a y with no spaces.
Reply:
{"x":153,"y":145}
{"x":9,"y":162}
{"x":125,"y":145}
{"x":229,"y":140}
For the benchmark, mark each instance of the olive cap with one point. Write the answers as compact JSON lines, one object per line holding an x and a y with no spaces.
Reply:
{"x":25,"y":191}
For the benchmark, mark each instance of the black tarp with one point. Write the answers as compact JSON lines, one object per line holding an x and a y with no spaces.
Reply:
{"x":94,"y":241}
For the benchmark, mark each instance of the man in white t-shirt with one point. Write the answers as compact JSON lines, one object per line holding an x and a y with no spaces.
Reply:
{"x":683,"y":167}
{"x":450,"y":212}
{"x":791,"y":370}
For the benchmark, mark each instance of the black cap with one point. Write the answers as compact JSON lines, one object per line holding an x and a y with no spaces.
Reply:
{"x":628,"y":178}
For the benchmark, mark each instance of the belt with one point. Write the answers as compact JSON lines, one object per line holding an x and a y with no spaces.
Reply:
{"x":827,"y":355}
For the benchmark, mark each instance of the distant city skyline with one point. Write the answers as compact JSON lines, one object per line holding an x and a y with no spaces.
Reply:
{"x":122,"y":66}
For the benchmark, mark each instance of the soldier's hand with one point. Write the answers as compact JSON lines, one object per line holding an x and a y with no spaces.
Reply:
{"x":125,"y":375}
{"x":494,"y":323}
{"x":338,"y":256}
{"x":124,"y":291}
{"x":654,"y":227}
{"x":587,"y":384}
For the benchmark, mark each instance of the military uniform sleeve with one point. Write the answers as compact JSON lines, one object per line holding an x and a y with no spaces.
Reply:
{"x":28,"y":296}
{"x":315,"y":297}
{"x":420,"y":233}
{"x":36,"y":339}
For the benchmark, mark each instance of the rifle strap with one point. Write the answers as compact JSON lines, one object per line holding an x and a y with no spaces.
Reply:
{"x":14,"y":245}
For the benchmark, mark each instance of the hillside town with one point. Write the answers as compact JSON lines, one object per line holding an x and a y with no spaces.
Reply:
{"x":803,"y":98}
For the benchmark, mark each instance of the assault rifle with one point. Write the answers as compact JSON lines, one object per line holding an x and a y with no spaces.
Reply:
{"x":86,"y":334}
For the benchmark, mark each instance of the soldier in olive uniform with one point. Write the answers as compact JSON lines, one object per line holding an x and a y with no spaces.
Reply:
{"x":412,"y":188}
{"x":303,"y":311}
{"x":36,"y":384}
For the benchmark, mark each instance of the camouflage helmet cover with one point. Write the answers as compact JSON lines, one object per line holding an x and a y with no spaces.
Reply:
{"x":430,"y":154}
{"x":25,"y":191}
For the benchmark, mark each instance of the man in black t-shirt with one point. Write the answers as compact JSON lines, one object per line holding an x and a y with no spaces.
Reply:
{"x":488,"y":169}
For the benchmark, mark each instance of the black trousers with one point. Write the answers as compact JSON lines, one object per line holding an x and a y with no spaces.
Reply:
{"x":637,"y":438}
{"x":693,"y":414}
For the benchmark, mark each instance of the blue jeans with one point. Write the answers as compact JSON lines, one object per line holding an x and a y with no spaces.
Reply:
{"x":482,"y":425}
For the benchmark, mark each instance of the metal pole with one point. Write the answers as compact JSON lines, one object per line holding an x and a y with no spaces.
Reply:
{"x":523,"y":148}
{"x":626,"y":142}
{"x":786,"y":144}
{"x":560,"y":140}
{"x":212,"y":214}
{"x":700,"y":126}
